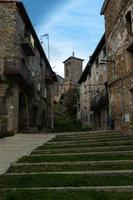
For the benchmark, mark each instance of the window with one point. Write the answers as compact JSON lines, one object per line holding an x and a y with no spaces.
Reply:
{"x":129,"y":22}
{"x":104,"y":52}
{"x":45,"y":93}
{"x":129,"y":55}
{"x":97,"y":76}
{"x":78,"y":106}
{"x":97,"y":63}
{"x":87,"y":118}
{"x":66,"y":72}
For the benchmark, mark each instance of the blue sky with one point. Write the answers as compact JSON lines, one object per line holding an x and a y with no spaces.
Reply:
{"x":72,"y":25}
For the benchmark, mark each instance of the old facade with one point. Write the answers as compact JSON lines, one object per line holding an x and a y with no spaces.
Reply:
{"x":26,"y":77}
{"x":94,"y":104}
{"x":119,"y":42}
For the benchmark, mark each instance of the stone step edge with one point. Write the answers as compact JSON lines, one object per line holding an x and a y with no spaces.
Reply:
{"x":84,"y":153}
{"x":91,"y":140}
{"x":91,"y":135}
{"x":73,"y":163}
{"x":107,"y":172}
{"x":97,"y":188}
{"x":65,"y":139}
{"x":83,"y":148}
{"x":87,"y":143}
{"x":63,"y":134}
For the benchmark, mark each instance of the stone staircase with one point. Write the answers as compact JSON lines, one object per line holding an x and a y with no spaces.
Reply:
{"x":74,"y":166}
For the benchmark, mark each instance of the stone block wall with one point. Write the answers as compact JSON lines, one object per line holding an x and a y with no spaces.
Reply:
{"x":119,"y":72}
{"x":13,"y":25}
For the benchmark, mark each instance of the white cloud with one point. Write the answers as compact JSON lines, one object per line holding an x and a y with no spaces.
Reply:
{"x":76,"y":25}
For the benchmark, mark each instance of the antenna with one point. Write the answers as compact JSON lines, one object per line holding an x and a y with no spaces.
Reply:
{"x":73,"y":54}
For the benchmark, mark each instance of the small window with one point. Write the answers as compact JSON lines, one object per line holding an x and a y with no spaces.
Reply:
{"x":66,"y":72}
{"x":129,"y":56}
{"x":45,"y":93}
{"x":129,"y":22}
{"x":104,"y":52}
{"x":87,"y":118}
{"x":97,"y":63}
{"x":23,"y":61}
{"x":97,"y":76}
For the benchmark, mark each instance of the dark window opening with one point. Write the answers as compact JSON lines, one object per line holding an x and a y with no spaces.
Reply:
{"x":129,"y":22}
{"x":130,"y":57}
{"x":67,"y":72}
{"x":97,"y":63}
{"x":104,"y":52}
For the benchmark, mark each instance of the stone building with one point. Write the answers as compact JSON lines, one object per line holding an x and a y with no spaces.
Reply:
{"x":72,"y":71}
{"x":119,"y":43}
{"x":58,"y":89}
{"x":26,"y":77}
{"x":94,"y":104}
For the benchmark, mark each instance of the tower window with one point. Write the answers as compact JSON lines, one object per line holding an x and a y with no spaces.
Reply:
{"x":66,"y":72}
{"x":129,"y":22}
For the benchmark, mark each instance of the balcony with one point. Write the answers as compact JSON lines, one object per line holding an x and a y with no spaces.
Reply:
{"x":51,"y":77}
{"x":28,"y":45}
{"x":16,"y":69}
{"x":100,"y":100}
{"x":48,"y":78}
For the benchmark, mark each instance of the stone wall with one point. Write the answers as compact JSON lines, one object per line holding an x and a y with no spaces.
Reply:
{"x":12,"y":31}
{"x":119,"y":72}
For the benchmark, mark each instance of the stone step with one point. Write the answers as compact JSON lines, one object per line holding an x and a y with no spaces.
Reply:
{"x":105,"y":172}
{"x":91,"y":140}
{"x":82,"y":137}
{"x":90,"y":133}
{"x":97,"y":189}
{"x":111,"y":143}
{"x":85,"y":149}
{"x":74,"y":163}
{"x":87,"y":153}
